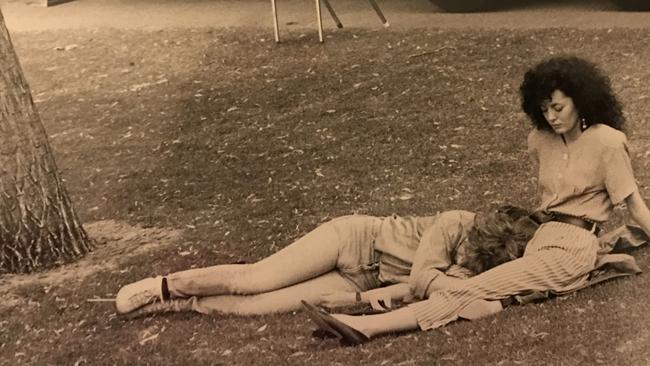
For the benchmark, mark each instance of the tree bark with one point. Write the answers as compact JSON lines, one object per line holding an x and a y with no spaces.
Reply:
{"x":38,"y":225}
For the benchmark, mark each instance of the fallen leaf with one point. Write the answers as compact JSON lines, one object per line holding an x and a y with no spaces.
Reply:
{"x":541,"y":335}
{"x":138,"y":87}
{"x":405,"y":196}
{"x":149,"y":339}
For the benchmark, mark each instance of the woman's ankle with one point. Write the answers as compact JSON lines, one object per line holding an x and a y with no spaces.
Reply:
{"x":358,"y":323}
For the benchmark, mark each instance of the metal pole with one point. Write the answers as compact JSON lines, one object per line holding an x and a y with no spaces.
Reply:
{"x":379,"y":12}
{"x":333,"y":14}
{"x":320,"y":22}
{"x":276,"y":31}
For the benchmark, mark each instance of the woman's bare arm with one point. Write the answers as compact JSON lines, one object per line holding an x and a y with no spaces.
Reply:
{"x":639,"y":211}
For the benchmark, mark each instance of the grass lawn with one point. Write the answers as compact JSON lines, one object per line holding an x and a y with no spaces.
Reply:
{"x":242,"y":145}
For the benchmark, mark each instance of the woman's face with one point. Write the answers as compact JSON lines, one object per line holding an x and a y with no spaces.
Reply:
{"x":561,"y":113}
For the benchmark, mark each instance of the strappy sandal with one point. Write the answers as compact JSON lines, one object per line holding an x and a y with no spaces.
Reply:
{"x":347,"y":335}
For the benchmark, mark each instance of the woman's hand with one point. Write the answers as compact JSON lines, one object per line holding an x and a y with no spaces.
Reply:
{"x":338,"y":298}
{"x":639,"y":210}
{"x":379,"y":299}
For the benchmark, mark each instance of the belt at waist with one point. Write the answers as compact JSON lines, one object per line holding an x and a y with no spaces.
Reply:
{"x":545,"y":216}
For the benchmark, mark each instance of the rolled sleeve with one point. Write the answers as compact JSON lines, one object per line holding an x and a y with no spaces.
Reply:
{"x":619,"y":175}
{"x":434,"y":254}
{"x":422,"y":282}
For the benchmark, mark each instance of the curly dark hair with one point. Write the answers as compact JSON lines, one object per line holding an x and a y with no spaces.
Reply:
{"x":577,"y":78}
{"x":497,"y":237}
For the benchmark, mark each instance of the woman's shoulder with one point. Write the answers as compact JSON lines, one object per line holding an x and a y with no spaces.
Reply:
{"x":606,"y":136}
{"x":455,"y":217}
{"x":536,"y":136}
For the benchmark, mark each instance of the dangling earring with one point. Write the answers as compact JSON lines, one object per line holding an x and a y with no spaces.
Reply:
{"x":583,"y":124}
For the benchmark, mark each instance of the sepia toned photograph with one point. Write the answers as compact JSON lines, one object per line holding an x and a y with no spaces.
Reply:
{"x":325,"y":182}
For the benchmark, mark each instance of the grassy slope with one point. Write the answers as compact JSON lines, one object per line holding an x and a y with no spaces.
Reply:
{"x":250,"y":144}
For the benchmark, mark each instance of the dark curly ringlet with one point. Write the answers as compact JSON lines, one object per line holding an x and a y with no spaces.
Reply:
{"x":495,"y":239}
{"x":579,"y":79}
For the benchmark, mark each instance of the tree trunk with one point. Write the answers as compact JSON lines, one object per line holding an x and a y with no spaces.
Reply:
{"x":38,"y":226}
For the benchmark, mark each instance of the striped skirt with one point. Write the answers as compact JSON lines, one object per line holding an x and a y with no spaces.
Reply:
{"x":559,"y":257}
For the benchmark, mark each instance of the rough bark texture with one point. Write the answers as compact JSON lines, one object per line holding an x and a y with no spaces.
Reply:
{"x":38,"y":226}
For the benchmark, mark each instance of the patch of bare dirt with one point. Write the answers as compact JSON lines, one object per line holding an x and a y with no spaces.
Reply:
{"x":115,"y":240}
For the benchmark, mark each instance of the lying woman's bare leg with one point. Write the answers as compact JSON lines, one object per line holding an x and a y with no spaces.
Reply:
{"x":283,"y":300}
{"x":316,"y":253}
{"x":344,"y":242}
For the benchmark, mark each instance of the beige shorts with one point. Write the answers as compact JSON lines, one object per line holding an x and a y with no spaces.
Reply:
{"x":358,"y":262}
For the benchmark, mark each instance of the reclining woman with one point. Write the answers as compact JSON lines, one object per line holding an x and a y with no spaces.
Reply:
{"x":584,"y":170}
{"x":346,"y":260}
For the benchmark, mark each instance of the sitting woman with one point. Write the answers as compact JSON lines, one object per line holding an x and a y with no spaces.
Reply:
{"x":347,"y":260}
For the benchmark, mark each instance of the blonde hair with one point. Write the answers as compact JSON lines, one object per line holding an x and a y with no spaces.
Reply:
{"x":497,"y":237}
